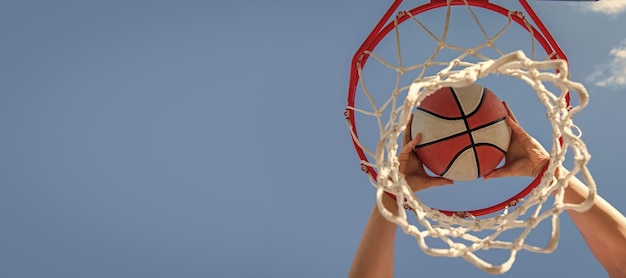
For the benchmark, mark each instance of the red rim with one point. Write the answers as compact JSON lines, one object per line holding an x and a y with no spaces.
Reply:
{"x":382,"y":28}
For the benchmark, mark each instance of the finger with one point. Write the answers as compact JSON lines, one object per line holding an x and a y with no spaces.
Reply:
{"x":515,"y":127}
{"x":409,"y":147}
{"x":509,"y":111}
{"x":413,"y":143}
{"x":434,"y":181}
{"x":407,"y":132}
{"x":497,"y":173}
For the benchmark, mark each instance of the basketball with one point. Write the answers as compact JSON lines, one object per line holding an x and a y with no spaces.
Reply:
{"x":464,"y":135}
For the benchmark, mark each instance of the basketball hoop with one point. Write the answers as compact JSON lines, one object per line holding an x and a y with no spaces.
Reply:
{"x":379,"y":160}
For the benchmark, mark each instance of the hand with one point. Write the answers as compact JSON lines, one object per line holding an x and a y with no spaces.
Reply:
{"x":525,"y":156}
{"x":412,"y":168}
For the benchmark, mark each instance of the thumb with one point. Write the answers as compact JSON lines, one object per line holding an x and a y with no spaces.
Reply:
{"x":437,"y":181}
{"x":497,"y":173}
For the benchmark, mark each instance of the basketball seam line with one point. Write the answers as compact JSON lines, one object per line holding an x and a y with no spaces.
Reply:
{"x":480,"y":103}
{"x":437,"y":115}
{"x":459,"y":153}
{"x":460,"y":133}
{"x":467,"y":126}
{"x":463,"y":116}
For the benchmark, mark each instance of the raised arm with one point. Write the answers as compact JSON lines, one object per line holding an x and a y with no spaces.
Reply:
{"x":603,"y":227}
{"x":374,"y":256}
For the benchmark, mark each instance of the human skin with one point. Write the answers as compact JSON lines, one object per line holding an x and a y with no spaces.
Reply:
{"x":602,"y":226}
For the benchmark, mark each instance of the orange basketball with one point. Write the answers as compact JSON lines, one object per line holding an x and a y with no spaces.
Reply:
{"x":464,"y":134}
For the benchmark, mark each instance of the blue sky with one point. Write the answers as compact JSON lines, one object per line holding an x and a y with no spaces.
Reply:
{"x":207,"y":139}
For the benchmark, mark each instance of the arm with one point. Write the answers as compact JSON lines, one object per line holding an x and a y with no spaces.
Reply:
{"x":602,"y":226}
{"x":374,"y":256}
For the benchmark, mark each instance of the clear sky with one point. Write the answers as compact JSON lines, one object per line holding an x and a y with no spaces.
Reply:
{"x":207,"y":138}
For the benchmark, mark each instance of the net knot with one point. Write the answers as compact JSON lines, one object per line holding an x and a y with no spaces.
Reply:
{"x":517,"y":14}
{"x":422,"y":74}
{"x":518,"y":244}
{"x":477,"y":226}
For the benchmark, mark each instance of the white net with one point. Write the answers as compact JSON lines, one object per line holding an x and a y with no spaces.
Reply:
{"x":463,"y":234}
